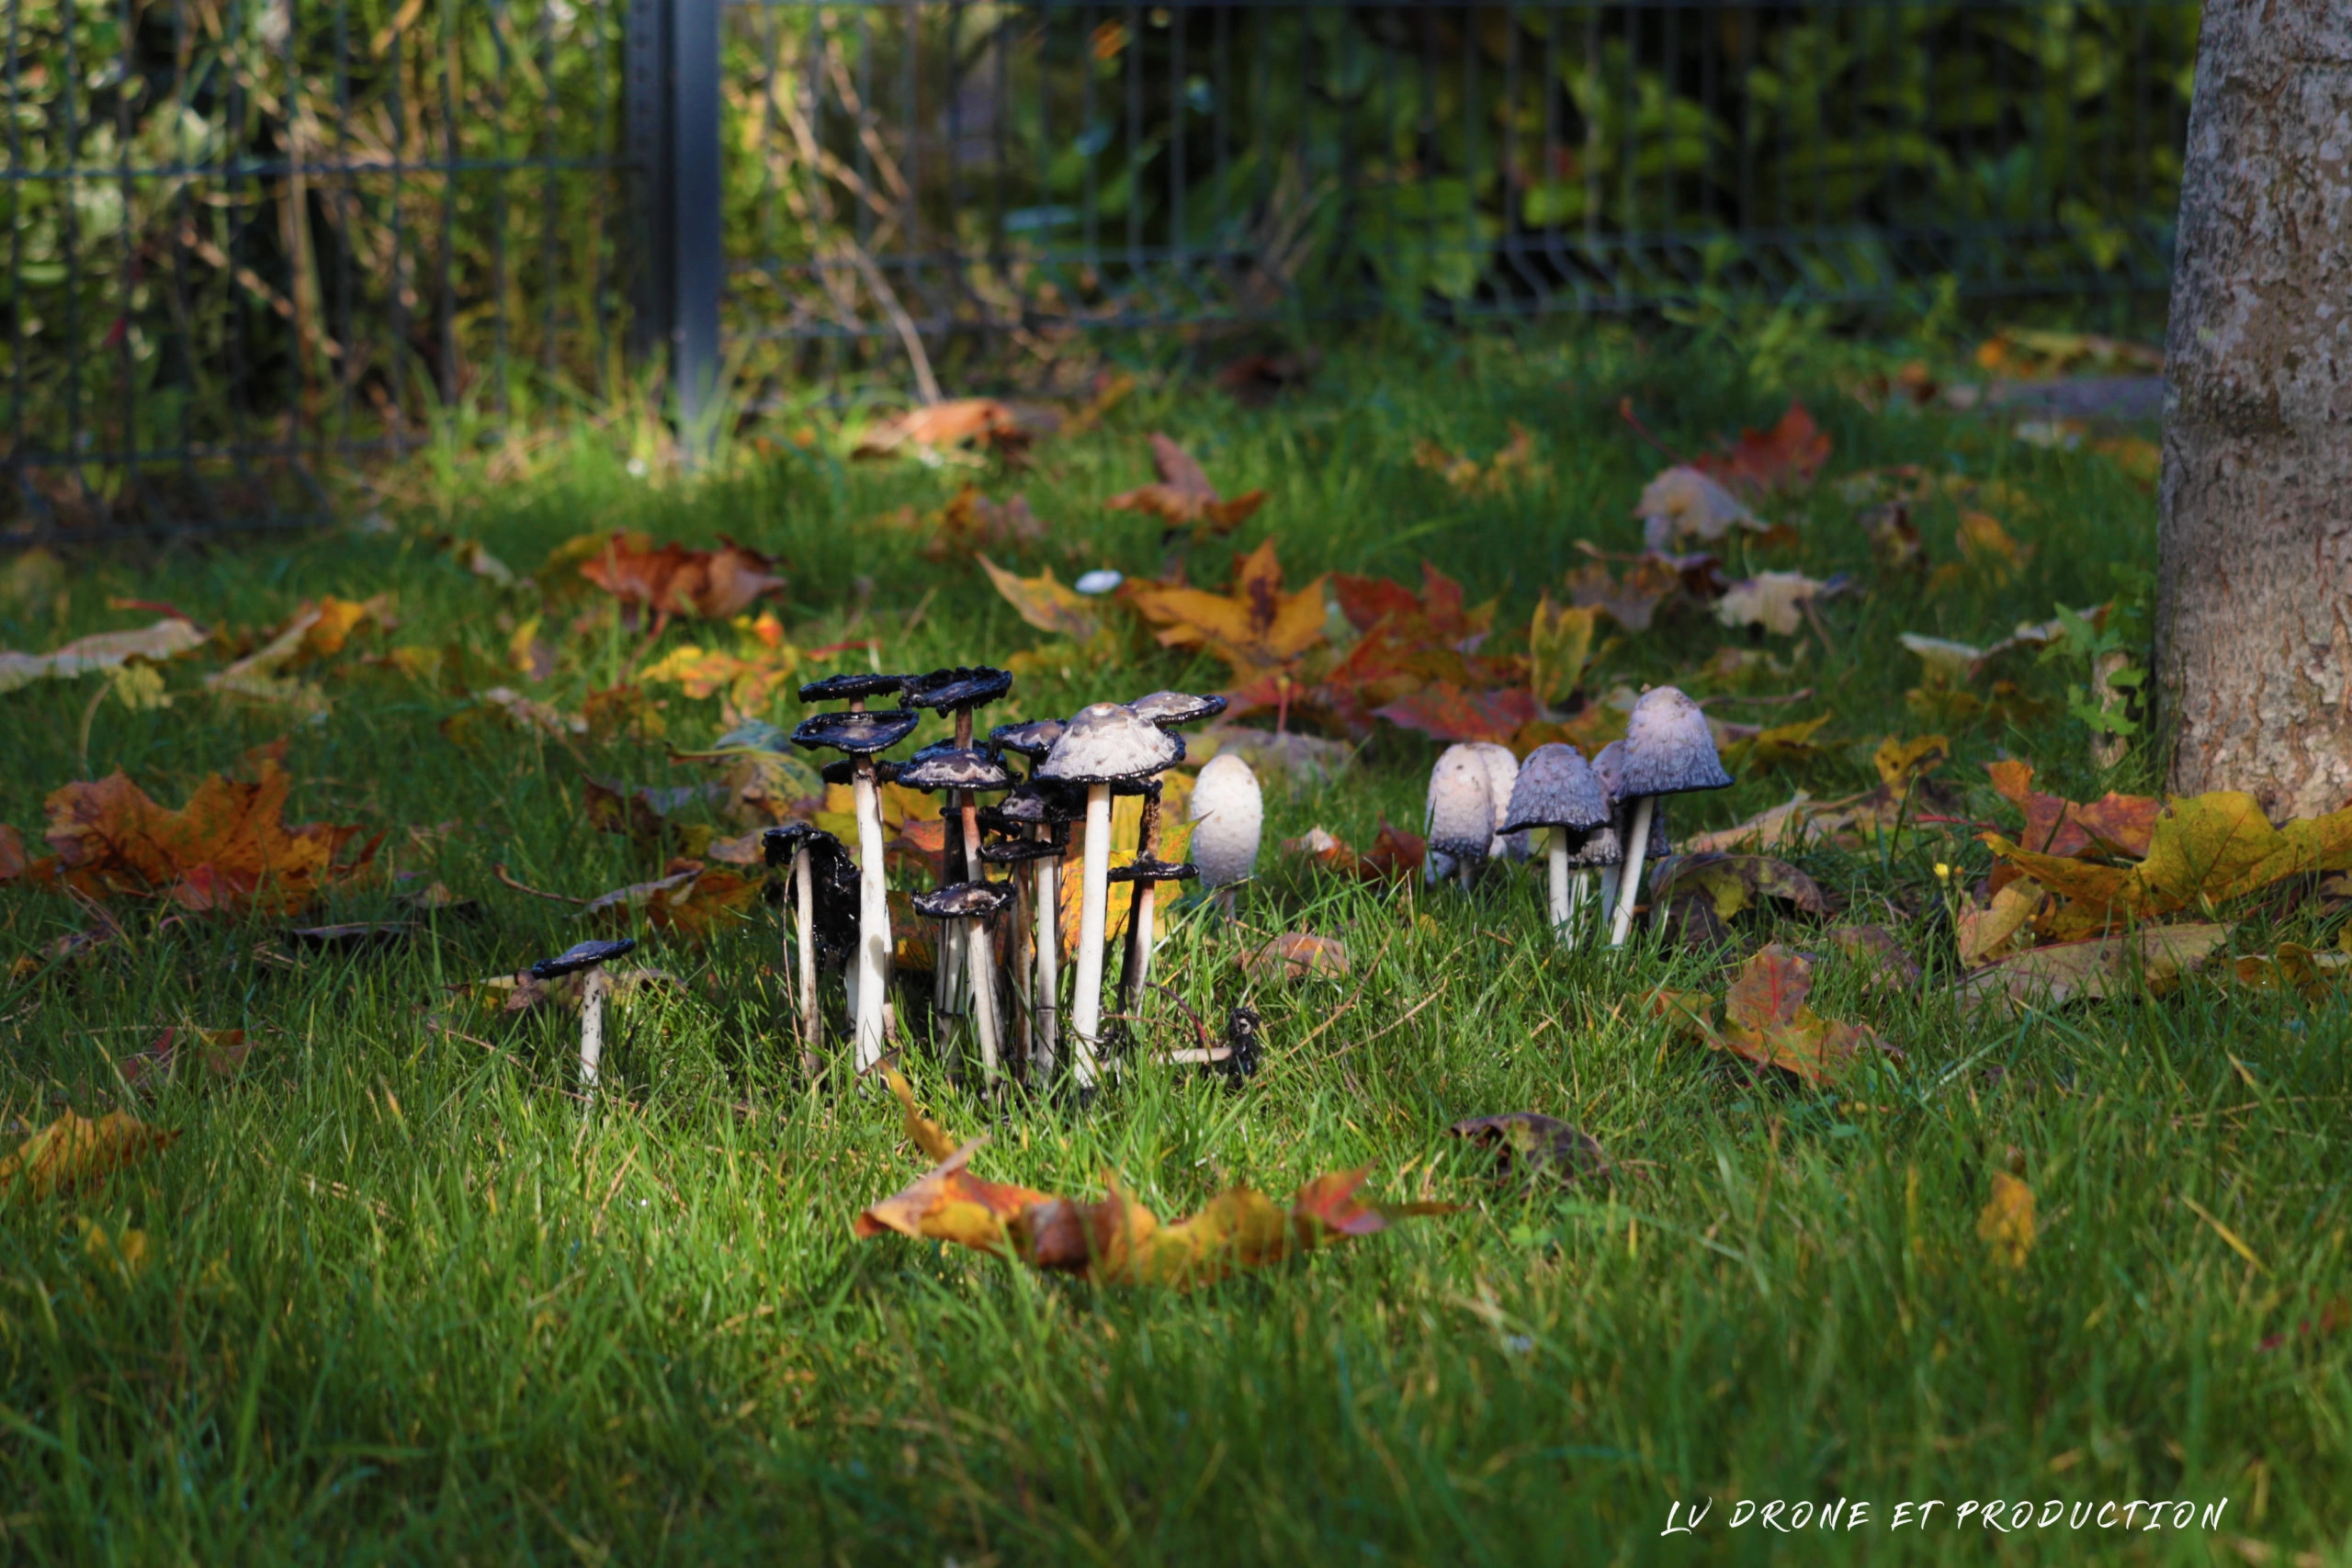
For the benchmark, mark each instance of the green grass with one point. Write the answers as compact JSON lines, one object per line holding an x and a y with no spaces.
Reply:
{"x":404,"y":1304}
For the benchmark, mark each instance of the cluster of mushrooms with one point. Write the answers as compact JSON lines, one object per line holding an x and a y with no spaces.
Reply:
{"x":1070,"y":771}
{"x":1608,"y":815}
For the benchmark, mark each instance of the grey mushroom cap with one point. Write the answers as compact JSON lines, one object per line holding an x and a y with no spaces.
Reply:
{"x":581,"y":955}
{"x":1557,"y":788}
{"x":962,"y":901}
{"x":780,"y":844}
{"x":1155,"y":871}
{"x":1668,"y":748}
{"x":1108,"y":744}
{"x":1031,"y":737}
{"x":1032,"y":806}
{"x":963,"y":686}
{"x":1168,"y":709}
{"x":1601,"y":847}
{"x":946,"y":766}
{"x":1460,"y":814}
{"x":859,"y":734}
{"x":1012,"y":851}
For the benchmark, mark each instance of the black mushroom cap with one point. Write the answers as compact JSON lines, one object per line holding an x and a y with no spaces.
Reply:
{"x":1106,"y":744}
{"x":1012,"y":851}
{"x":844,"y":770}
{"x":1557,"y":788}
{"x":947,"y":766}
{"x":1668,"y":748}
{"x":833,"y":886}
{"x":1168,"y":709}
{"x":945,"y":691}
{"x":1602,"y":847}
{"x":581,"y":955}
{"x":1155,"y":871}
{"x":859,"y":734}
{"x":1032,"y":737}
{"x":1033,"y":806}
{"x":962,"y":901}
{"x":852,"y":684}
{"x":780,"y":844}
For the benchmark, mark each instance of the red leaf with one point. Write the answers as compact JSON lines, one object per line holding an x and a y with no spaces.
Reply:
{"x":1790,"y":452}
{"x":1445,"y":712}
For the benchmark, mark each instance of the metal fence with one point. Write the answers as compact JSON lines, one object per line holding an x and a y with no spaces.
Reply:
{"x":254,"y":243}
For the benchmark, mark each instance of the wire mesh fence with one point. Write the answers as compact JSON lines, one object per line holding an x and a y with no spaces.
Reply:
{"x":251,"y":239}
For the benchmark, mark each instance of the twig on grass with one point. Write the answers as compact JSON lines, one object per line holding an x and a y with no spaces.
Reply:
{"x":498,"y":869}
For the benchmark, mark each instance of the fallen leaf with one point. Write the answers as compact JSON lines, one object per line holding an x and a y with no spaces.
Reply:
{"x":971,"y":522}
{"x":1445,"y":712}
{"x":1394,"y":856}
{"x":1987,"y":932}
{"x":1254,"y":630}
{"x":687,"y":897}
{"x":1683,"y":503}
{"x":2006,"y":1223}
{"x":2065,"y":971}
{"x":1513,"y":463}
{"x":1531,"y":1146}
{"x":1891,"y":966}
{"x":1773,"y":600}
{"x":73,"y":1152}
{"x":2312,"y":974}
{"x":671,"y":580}
{"x":2113,"y":824}
{"x":1790,"y":452}
{"x":1901,"y":763}
{"x":165,"y":639}
{"x":1780,"y":748}
{"x":221,"y":1052}
{"x":625,"y":712}
{"x":1295,"y":956}
{"x":753,"y":681}
{"x":1987,"y":546}
{"x":1734,"y":884}
{"x":982,"y":422}
{"x":1183,"y":498}
{"x":1559,"y":645}
{"x":1766,"y":1020}
{"x":1045,"y":604}
{"x":1633,"y":601}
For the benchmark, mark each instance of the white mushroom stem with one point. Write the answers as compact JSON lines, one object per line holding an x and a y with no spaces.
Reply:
{"x":805,"y":906}
{"x":1610,"y":876}
{"x":979,"y":958}
{"x":1629,"y":885}
{"x":1049,"y":961}
{"x":1086,"y":1005}
{"x":1562,"y":903}
{"x":592,"y":1027}
{"x":873,"y":920}
{"x":1140,"y":921}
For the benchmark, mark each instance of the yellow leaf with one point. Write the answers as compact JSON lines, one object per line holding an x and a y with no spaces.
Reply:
{"x":106,"y":650}
{"x":1045,"y":604}
{"x":73,"y":1151}
{"x":2006,"y":1223}
{"x":1773,"y":600}
{"x":1255,"y":628}
{"x":1559,"y":643}
{"x":1900,"y":762}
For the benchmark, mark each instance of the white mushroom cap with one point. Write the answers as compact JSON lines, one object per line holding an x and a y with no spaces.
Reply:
{"x":1502,"y":777}
{"x":1461,"y":814}
{"x":1668,"y":748}
{"x":1227,"y":813}
{"x":1108,"y":744}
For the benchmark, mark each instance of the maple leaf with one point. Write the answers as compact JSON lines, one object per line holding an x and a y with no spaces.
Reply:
{"x":1445,"y":712}
{"x":1766,"y":1020}
{"x":2006,"y":1223}
{"x":1257,"y":628}
{"x":1559,"y":645}
{"x":1183,"y":498}
{"x":228,"y":850}
{"x":1045,"y":604}
{"x":73,"y":1152}
{"x":1791,"y":452}
{"x":1732,"y":883}
{"x":942,"y":426}
{"x":165,"y":639}
{"x":971,"y":522}
{"x":1631,"y":603}
{"x":688,"y":897}
{"x":2155,"y":956}
{"x":671,"y":580}
{"x":1773,"y":600}
{"x":2113,"y":824}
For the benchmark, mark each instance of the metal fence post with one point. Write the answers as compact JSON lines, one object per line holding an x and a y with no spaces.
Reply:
{"x":673,"y":129}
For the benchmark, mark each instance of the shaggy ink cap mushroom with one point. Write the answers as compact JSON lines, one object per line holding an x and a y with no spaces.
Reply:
{"x":962,"y":901}
{"x":1106,"y":744}
{"x":1557,"y":788}
{"x":1169,"y":709}
{"x":1027,"y":806}
{"x":1602,"y":847}
{"x":948,"y":766}
{"x":1461,"y":816}
{"x":859,"y":734}
{"x":1609,"y":767}
{"x":851,"y":685}
{"x":581,"y":955}
{"x":1668,"y":748}
{"x":1031,"y":737}
{"x":1012,"y":851}
{"x":1155,"y":871}
{"x":964,"y":686}
{"x":844,"y":770}
{"x":832,"y":881}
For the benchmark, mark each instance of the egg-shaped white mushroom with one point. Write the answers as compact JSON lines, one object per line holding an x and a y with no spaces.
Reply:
{"x":1460,"y":818}
{"x":1229,"y":814}
{"x":1502,"y":776}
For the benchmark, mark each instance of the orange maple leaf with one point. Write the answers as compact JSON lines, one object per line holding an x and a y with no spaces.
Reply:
{"x":2113,"y":824}
{"x":671,"y":579}
{"x":1766,"y":1021}
{"x":1255,"y":628}
{"x":1183,"y":498}
{"x":1790,"y":452}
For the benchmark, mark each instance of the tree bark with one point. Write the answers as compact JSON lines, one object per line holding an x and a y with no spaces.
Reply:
{"x":2254,"y":640}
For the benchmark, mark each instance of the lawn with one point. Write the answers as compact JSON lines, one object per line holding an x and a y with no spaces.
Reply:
{"x":395,"y":1293}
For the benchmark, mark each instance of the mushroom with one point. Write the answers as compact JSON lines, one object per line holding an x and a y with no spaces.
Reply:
{"x":1502,"y":773}
{"x":592,"y":957}
{"x":1228,"y":812}
{"x":1103,"y":745}
{"x":1609,"y":767}
{"x":861,"y":735}
{"x":955,"y":692}
{"x":961,"y":772}
{"x":1557,"y":789}
{"x":973,"y":902}
{"x":815,"y":857}
{"x":1168,"y":710}
{"x":1668,"y":750}
{"x":1460,"y":814}
{"x":1041,"y":812}
{"x":1034,"y":970}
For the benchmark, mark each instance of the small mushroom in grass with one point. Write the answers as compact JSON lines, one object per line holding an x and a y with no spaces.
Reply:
{"x":861,"y":735}
{"x":1668,"y":750}
{"x":962,"y":772}
{"x":1609,"y":767}
{"x":971,"y":904}
{"x":1045,"y":814}
{"x":1502,"y":777}
{"x":1168,"y":710}
{"x":1103,"y":745}
{"x":823,"y":887}
{"x":592,"y":957}
{"x":1460,"y":819}
{"x":1556,"y":790}
{"x":1147,"y":873}
{"x":955,"y":692}
{"x":1229,"y":814}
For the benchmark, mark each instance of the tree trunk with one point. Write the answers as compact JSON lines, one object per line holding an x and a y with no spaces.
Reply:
{"x":2254,"y":643}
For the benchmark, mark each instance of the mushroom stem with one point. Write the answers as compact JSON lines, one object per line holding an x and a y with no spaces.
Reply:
{"x":873,"y":920}
{"x":947,"y":969}
{"x":1024,"y":1002}
{"x":1562,"y":903}
{"x":805,"y":902}
{"x":1136,"y":968}
{"x":978,"y":958}
{"x":1629,"y":883}
{"x":592,"y":1027}
{"x":1049,"y":958}
{"x":1086,"y":1004}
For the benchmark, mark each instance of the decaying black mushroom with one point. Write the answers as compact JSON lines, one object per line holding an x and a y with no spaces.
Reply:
{"x":859,"y":734}
{"x":963,"y":688}
{"x":581,"y":955}
{"x":853,"y":686}
{"x":964,"y":901}
{"x":591,"y":957}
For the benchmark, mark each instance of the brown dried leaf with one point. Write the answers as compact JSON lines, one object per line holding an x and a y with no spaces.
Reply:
{"x":1183,"y":498}
{"x":73,"y":1152}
